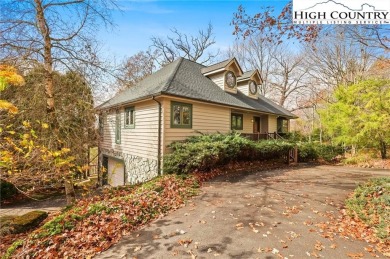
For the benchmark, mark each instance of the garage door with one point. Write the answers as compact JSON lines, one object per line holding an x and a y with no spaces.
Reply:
{"x":116,"y":171}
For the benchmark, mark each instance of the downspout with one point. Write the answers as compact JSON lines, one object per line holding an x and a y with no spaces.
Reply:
{"x":159,"y":136}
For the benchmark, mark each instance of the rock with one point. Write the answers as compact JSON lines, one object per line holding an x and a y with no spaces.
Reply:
{"x":23,"y":223}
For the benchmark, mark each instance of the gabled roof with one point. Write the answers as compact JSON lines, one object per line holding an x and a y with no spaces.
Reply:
{"x":216,"y":66}
{"x":248,"y":75}
{"x":220,"y":66}
{"x":184,"y":78}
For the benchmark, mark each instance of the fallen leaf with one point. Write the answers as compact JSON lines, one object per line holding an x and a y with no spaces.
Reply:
{"x":193,"y":256}
{"x":138,"y":248}
{"x":315,"y":254}
{"x":239,"y":226}
{"x":185,"y":242}
{"x":355,"y":255}
{"x":181,"y":232}
{"x":318,"y":246}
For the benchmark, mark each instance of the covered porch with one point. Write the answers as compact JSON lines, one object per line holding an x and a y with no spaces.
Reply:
{"x":259,"y":126}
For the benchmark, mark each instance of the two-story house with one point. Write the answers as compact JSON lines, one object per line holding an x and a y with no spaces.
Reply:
{"x":178,"y":101}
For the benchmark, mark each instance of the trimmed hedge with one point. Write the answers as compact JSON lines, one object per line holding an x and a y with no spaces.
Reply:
{"x":205,"y":152}
{"x":312,"y":151}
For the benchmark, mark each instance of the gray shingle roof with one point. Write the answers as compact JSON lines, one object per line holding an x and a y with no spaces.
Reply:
{"x":216,"y":66}
{"x":247,"y":74}
{"x":184,"y":78}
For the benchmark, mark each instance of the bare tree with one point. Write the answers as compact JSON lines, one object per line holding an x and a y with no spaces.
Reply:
{"x":288,"y":79}
{"x":188,"y":46}
{"x":338,"y":60}
{"x":58,"y":33}
{"x":273,"y":26}
{"x":373,"y":36}
{"x":136,"y":68}
{"x":255,"y":53}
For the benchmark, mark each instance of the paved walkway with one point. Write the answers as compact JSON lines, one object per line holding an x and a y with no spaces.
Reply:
{"x":269,"y":214}
{"x":50,"y":205}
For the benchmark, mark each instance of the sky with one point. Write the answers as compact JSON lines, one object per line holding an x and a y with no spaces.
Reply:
{"x":139,"y":20}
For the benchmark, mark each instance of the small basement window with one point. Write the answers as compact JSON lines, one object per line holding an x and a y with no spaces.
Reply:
{"x":130,"y":117}
{"x":181,"y":115}
{"x":237,"y":121}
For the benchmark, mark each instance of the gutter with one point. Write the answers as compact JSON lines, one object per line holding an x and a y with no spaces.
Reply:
{"x":159,"y":135}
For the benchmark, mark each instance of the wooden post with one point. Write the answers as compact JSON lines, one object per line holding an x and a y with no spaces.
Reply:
{"x":296,"y":154}
{"x":288,"y":157}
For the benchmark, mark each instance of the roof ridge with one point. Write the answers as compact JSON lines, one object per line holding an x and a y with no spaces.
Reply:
{"x":220,"y":62}
{"x":170,"y":79}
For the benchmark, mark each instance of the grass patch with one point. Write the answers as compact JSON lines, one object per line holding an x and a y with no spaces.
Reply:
{"x":12,"y":248}
{"x":370,"y":202}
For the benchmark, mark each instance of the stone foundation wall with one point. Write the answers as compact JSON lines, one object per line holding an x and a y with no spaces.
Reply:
{"x":137,"y":169}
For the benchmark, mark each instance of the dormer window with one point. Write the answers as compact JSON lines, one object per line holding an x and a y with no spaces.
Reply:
{"x":252,"y":87}
{"x":225,"y":74}
{"x":230,"y":79}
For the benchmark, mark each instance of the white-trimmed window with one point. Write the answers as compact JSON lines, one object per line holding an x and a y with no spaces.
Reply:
{"x":130,"y":117}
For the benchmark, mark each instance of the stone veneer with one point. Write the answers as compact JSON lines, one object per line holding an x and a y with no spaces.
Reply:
{"x":137,"y":169}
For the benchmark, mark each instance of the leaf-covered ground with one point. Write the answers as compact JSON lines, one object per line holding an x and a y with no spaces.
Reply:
{"x":286,"y":213}
{"x":94,"y":224}
{"x":366,"y":215}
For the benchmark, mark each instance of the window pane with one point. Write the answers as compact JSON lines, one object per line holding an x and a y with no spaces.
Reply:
{"x":127,"y":122}
{"x":234,"y":124}
{"x":176,"y":114}
{"x":186,"y":115}
{"x":131,"y":117}
{"x":285,"y":126}
{"x":239,"y":122}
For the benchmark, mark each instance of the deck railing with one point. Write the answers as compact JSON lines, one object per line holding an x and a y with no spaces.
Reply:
{"x":261,"y":136}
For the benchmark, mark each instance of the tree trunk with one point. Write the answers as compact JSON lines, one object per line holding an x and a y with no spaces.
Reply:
{"x":383,"y":149}
{"x":353,"y":150}
{"x":48,"y":65}
{"x":69,"y":190}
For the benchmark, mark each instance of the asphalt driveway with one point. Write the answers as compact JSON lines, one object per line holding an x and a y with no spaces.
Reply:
{"x":264,"y":214}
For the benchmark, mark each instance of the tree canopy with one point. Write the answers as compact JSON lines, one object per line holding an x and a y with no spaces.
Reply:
{"x":360,"y":115}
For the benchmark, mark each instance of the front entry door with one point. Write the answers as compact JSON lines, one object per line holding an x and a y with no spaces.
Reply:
{"x":256,"y":124}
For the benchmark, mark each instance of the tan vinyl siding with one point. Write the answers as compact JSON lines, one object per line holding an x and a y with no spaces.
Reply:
{"x":243,"y":87}
{"x":205,"y":118}
{"x":142,"y":140}
{"x":264,"y":123}
{"x":272,"y":123}
{"x":218,"y":79}
{"x":247,"y":126}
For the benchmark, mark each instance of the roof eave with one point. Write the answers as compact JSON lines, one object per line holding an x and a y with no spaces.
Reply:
{"x":229,"y":105}
{"x":117,"y":105}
